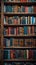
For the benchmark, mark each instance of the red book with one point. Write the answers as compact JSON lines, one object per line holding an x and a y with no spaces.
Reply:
{"x":12,"y":55}
{"x":26,"y":9}
{"x":30,"y":54}
{"x":9,"y":30}
{"x":34,"y":9}
{"x":23,"y":0}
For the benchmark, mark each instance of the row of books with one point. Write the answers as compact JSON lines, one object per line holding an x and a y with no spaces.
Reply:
{"x":17,"y":8}
{"x":19,"y":54}
{"x":19,"y":20}
{"x":25,"y":30}
{"x":8,"y":42}
{"x":20,"y":63}
{"x":21,"y":0}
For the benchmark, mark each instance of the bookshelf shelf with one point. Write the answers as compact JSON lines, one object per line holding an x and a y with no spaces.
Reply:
{"x":20,"y":36}
{"x":21,"y":3}
{"x":18,"y":25}
{"x":19,"y":60}
{"x":16,"y":47}
{"x":19,"y":13}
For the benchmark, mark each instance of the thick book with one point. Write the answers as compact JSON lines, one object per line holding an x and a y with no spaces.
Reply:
{"x":8,"y":8}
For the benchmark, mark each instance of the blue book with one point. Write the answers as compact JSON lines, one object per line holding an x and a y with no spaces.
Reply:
{"x":11,"y":41}
{"x":4,"y":32}
{"x":23,"y":20}
{"x":25,"y":30}
{"x":22,"y":8}
{"x":8,"y":54}
{"x":5,"y":54}
{"x":8,"y":8}
{"x":33,"y":20}
{"x":30,"y":9}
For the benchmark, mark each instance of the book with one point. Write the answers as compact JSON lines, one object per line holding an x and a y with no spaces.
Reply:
{"x":10,"y":20}
{"x":15,"y":8}
{"x":32,"y":30}
{"x":34,"y":9}
{"x":23,"y":20}
{"x":5,"y":54}
{"x":25,"y":54}
{"x":32,"y":20}
{"x":8,"y":8}
{"x":12,"y":54}
{"x":21,"y":30}
{"x":30,"y":54}
{"x":15,"y":42}
{"x":34,"y":54}
{"x":4,"y":8}
{"x":8,"y":54}
{"x":25,"y":30}
{"x":21,"y":42}
{"x":35,"y":30}
{"x":22,"y":9}
{"x":26,"y":9}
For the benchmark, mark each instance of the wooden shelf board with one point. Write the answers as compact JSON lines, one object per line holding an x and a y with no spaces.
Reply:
{"x":19,"y":13}
{"x":20,"y":36}
{"x":17,"y":47}
{"x":23,"y":3}
{"x":19,"y":25}
{"x":19,"y":60}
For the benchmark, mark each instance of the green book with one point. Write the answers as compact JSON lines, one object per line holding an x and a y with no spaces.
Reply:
{"x":25,"y":54}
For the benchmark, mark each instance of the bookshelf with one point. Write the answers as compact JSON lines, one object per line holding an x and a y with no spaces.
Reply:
{"x":18,"y":31}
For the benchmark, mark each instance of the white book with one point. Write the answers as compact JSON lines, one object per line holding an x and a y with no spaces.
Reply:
{"x":4,"y":8}
{"x":26,"y":20}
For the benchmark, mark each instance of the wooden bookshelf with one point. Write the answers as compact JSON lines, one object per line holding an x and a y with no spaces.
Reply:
{"x":9,"y":14}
